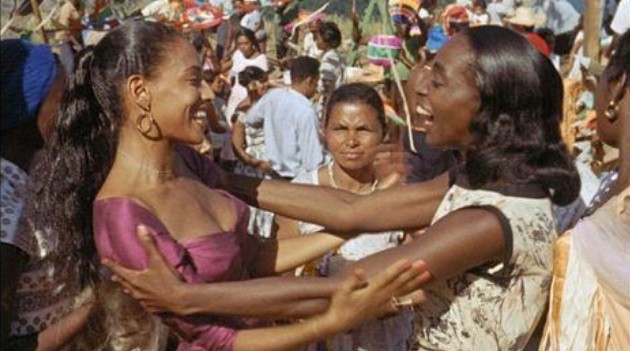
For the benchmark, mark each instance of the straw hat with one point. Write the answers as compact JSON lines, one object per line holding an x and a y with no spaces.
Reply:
{"x":526,"y":16}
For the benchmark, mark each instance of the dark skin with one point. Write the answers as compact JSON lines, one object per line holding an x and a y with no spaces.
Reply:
{"x":451,"y":101}
{"x":615,"y":132}
{"x":208,"y":211}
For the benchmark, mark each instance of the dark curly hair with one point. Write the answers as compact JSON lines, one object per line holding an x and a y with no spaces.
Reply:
{"x":69,"y":172}
{"x":356,"y":92}
{"x":517,"y":131}
{"x":250,"y":74}
{"x":330,"y":34}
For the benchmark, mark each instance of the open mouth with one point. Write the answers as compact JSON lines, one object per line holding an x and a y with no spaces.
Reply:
{"x":425,"y":115}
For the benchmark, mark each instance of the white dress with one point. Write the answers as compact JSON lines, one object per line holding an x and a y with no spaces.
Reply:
{"x":386,"y":334}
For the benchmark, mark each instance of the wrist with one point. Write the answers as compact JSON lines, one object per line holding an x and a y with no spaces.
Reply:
{"x":185,"y":298}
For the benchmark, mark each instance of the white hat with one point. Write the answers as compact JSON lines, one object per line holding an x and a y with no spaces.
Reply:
{"x":526,"y":16}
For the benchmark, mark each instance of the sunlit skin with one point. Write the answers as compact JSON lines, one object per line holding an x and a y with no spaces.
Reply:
{"x":179,"y":80}
{"x":351,"y":134}
{"x":448,"y":98}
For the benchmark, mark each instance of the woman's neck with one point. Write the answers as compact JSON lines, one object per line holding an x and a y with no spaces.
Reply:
{"x":152,"y":162}
{"x":357,"y":181}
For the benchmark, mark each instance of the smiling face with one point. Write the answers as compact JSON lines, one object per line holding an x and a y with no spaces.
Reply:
{"x":352,"y":131}
{"x":176,"y":94}
{"x":447,"y":97}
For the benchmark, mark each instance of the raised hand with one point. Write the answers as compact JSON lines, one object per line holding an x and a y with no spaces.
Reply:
{"x":358,"y":300}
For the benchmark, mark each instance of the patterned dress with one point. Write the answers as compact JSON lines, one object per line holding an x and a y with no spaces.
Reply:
{"x":495,"y":306}
{"x":44,"y":295}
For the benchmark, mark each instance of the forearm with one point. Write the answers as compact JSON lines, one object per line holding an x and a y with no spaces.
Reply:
{"x":62,"y":332}
{"x":287,"y":254}
{"x":404,"y":207}
{"x":274,"y":297}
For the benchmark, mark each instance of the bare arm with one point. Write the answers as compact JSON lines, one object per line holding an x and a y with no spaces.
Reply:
{"x":460,"y":241}
{"x":356,"y":301}
{"x":286,"y":254}
{"x":404,"y":207}
{"x":158,"y":289}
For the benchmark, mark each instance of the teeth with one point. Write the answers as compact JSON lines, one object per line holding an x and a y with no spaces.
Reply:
{"x":421,"y":111}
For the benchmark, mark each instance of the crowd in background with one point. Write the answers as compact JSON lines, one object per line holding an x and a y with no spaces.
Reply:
{"x":483,"y":143}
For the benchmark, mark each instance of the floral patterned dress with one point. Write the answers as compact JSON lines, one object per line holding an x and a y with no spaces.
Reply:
{"x":498,"y":305}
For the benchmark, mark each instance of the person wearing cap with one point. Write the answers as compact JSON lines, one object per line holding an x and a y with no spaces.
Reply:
{"x":523,"y":20}
{"x":36,"y":295}
{"x":456,"y":18}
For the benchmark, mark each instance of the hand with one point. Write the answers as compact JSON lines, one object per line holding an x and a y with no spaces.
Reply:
{"x":359,"y":300}
{"x":391,"y":165}
{"x":158,"y":288}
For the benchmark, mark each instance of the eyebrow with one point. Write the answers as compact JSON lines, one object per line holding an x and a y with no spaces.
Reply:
{"x":438,"y":68}
{"x":193,"y":69}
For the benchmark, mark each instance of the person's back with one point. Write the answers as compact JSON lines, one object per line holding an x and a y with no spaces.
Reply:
{"x":290,"y":123}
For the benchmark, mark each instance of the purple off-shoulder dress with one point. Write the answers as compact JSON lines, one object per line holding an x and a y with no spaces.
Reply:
{"x":213,"y":257}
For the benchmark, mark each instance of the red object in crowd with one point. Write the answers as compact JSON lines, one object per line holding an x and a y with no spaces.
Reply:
{"x":539,"y":43}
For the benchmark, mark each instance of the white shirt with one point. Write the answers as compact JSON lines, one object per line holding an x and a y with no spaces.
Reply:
{"x":561,"y":16}
{"x":498,"y":9}
{"x":290,"y":126}
{"x":621,"y":22}
{"x":252,"y":20}
{"x":310,"y":47}
{"x":239,"y":92}
{"x":225,"y":5}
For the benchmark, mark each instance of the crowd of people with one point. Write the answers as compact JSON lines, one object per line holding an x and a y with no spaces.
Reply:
{"x":244,"y":175}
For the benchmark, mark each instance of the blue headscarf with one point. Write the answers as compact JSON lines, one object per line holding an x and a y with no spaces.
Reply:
{"x":28,"y":73}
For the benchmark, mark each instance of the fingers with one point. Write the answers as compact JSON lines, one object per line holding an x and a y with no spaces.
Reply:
{"x":391,"y":274}
{"x":153,"y":254}
{"x":402,"y":277}
{"x":120,"y":272}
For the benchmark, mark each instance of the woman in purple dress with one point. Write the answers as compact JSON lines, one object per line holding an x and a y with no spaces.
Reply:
{"x":117,"y":160}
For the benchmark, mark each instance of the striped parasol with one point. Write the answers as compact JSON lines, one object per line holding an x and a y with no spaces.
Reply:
{"x":403,"y":11}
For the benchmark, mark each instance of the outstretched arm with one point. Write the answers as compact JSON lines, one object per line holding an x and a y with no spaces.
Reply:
{"x":404,"y":207}
{"x":355,"y":301}
{"x":460,"y":241}
{"x":158,"y":288}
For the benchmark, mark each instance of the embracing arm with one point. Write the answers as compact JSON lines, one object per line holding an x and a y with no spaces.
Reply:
{"x":285,"y":254}
{"x":404,"y":207}
{"x":460,"y":241}
{"x":158,"y":289}
{"x":355,"y":301}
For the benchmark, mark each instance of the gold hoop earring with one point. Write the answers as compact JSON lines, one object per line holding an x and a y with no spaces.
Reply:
{"x":140,"y":123}
{"x":611,"y":111}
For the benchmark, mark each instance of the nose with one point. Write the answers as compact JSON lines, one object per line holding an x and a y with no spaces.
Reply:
{"x":352,"y":140}
{"x":205,"y":90}
{"x":422,"y":84}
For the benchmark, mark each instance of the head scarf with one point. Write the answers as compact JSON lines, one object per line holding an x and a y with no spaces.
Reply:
{"x":28,"y":73}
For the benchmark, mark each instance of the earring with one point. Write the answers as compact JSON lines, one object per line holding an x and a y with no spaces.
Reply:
{"x":611,"y":111}
{"x":140,"y":124}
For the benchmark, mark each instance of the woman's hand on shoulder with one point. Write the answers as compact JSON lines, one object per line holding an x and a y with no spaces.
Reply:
{"x":159,"y":287}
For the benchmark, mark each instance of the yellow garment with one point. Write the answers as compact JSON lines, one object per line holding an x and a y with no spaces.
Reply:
{"x":590,"y":292}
